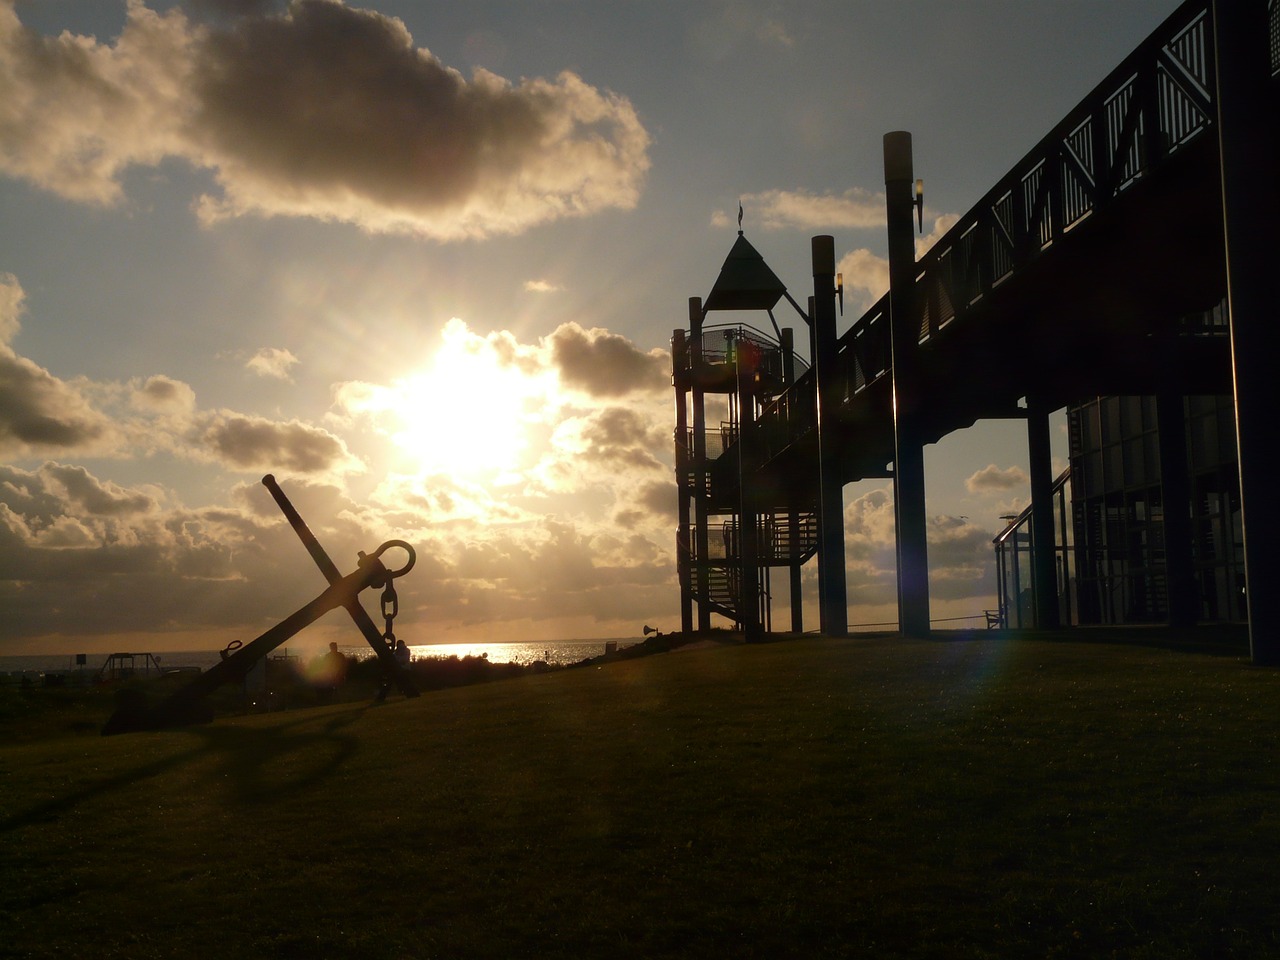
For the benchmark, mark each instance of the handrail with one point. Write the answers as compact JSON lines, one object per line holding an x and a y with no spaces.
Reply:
{"x":1159,"y":99}
{"x":1012,"y":526}
{"x":717,"y":340}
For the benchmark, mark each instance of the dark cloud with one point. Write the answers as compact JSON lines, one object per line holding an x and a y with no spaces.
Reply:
{"x":323,"y":111}
{"x":334,"y":97}
{"x":81,"y":556}
{"x":253,"y":443}
{"x":658,"y":497}
{"x":623,"y":438}
{"x":604,"y":364}
{"x":40,"y":413}
{"x":97,"y":497}
{"x":163,"y":392}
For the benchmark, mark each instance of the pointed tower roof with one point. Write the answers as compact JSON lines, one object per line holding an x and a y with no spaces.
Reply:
{"x":745,"y":281}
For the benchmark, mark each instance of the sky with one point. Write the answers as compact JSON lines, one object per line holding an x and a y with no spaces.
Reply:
{"x":423,"y":261}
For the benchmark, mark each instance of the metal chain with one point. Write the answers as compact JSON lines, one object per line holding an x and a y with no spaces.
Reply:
{"x":390,"y":607}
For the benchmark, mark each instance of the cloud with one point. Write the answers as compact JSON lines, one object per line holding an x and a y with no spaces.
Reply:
{"x":274,"y":363}
{"x":323,"y":111}
{"x":738,"y":25}
{"x":574,"y":539}
{"x":613,"y":439}
{"x":604,"y":364}
{"x":12,"y":297}
{"x":870,"y":561}
{"x":855,"y":208}
{"x":941,"y":225}
{"x":242,"y":442}
{"x":41,"y":414}
{"x":163,"y":395}
{"x":541,"y":286}
{"x":80,"y":556}
{"x":993,"y":479}
{"x":961,"y":559}
{"x":96,"y":497}
{"x":866,"y":274}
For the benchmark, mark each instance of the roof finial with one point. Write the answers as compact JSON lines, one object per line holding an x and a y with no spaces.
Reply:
{"x":739,"y":217}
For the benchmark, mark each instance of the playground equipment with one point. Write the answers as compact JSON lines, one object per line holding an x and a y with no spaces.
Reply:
{"x":187,"y":705}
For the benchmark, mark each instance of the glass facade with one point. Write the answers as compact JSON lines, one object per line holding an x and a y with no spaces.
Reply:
{"x":1118,"y":509}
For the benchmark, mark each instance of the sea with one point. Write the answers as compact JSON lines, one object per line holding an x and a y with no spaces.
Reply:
{"x":554,"y":652}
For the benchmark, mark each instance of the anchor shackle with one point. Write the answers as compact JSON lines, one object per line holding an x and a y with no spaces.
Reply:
{"x":388,"y":575}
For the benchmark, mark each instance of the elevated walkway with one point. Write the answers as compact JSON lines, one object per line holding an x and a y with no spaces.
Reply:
{"x":1096,"y":266}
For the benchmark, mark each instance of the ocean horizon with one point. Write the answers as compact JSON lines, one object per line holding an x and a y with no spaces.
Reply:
{"x":554,"y":652}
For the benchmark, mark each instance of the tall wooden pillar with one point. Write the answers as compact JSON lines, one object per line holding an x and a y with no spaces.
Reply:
{"x":1247,"y":144}
{"x":748,"y":520}
{"x":684,"y":542}
{"x":1043,"y":553}
{"x":908,"y":447}
{"x":1175,"y":496}
{"x":701,"y":541}
{"x":833,"y":607}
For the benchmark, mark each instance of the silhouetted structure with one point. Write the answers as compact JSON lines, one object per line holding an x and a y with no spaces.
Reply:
{"x":187,"y":705}
{"x":1094,"y":269}
{"x":1123,"y":553}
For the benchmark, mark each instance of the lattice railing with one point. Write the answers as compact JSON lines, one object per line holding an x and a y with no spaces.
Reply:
{"x":1155,"y":103}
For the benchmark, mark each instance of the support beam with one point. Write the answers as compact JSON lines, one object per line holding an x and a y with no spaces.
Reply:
{"x":1175,"y":497}
{"x":700,"y":513}
{"x":833,"y":607}
{"x":684,"y":549}
{"x":794,"y":505}
{"x":748,"y":520}
{"x":1043,"y":552}
{"x":908,"y":457}
{"x":1247,"y":143}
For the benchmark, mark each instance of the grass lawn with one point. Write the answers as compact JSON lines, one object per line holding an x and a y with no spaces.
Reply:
{"x":972,"y":797}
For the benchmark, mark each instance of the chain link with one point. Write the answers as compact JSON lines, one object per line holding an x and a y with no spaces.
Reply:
{"x":390,"y":607}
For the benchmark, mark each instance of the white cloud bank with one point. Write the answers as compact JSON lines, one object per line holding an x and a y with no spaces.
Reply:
{"x":324,"y":111}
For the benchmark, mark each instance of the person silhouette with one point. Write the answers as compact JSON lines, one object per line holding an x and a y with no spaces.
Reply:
{"x":332,"y":673}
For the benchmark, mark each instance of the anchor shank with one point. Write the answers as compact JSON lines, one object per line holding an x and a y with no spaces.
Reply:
{"x":327,"y":566}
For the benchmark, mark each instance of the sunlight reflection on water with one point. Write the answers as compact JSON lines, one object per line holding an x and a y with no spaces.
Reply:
{"x":554,"y":652}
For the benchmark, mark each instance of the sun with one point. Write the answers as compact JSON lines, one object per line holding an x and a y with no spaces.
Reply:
{"x":470,"y":410}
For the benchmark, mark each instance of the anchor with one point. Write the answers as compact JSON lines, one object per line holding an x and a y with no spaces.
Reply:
{"x":186,"y":706}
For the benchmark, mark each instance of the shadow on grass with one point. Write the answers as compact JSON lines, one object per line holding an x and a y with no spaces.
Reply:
{"x":262,"y":763}
{"x":1223,"y":640}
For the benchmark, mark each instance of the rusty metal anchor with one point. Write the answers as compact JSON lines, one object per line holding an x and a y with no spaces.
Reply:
{"x":186,"y":706}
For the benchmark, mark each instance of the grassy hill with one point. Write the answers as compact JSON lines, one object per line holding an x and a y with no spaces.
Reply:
{"x":980,"y":797}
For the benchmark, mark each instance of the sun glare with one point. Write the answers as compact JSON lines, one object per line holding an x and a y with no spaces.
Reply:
{"x":468,"y":412}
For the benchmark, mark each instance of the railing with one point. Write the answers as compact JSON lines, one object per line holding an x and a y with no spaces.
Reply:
{"x":774,"y":542}
{"x":1014,"y":547}
{"x":1275,"y":39}
{"x":721,"y":344}
{"x":1146,"y":111}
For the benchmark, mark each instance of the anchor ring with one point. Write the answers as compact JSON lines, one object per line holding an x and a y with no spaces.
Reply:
{"x":407,"y":548}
